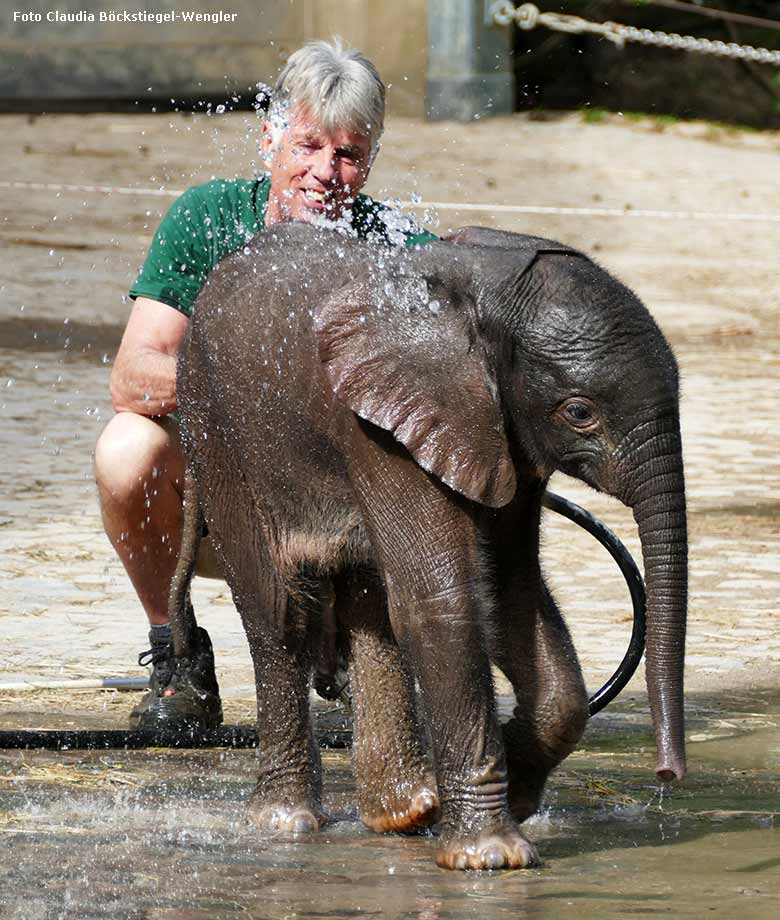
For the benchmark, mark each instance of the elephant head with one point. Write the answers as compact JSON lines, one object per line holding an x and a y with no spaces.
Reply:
{"x":497,"y":359}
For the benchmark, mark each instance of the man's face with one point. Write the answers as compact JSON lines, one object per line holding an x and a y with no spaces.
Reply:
{"x":313,"y":174}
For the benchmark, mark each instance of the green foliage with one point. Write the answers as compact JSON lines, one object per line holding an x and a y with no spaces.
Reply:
{"x":593,"y":116}
{"x":715,"y":130}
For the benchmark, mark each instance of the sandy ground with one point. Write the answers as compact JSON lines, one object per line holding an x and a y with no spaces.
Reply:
{"x":82,"y":196}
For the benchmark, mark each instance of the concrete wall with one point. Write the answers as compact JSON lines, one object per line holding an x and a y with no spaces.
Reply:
{"x":80,"y":61}
{"x":393,"y":33}
{"x":469,"y":61}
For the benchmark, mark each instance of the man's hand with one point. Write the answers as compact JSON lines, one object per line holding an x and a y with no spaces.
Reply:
{"x":144,"y":376}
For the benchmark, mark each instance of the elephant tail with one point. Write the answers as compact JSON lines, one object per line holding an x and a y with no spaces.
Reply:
{"x":182,"y":616}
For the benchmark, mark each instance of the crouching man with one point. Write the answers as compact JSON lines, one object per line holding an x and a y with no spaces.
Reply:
{"x":319,"y":141}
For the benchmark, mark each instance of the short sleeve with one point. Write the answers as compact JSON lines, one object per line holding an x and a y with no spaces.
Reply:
{"x":181,"y":255}
{"x":422,"y":238}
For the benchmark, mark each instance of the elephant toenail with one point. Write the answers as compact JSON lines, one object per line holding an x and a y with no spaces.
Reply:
{"x":493,"y":858}
{"x":424,"y":802}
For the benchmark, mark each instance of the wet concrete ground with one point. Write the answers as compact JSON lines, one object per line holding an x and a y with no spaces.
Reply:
{"x":162,"y":834}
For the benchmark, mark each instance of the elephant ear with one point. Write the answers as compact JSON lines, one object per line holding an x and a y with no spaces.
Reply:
{"x":402,"y":352}
{"x":526,"y":248}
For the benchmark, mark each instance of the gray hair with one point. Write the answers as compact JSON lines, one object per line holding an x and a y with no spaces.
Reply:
{"x":338,"y":86}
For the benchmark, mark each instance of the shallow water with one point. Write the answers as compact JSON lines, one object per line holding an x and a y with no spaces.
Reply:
{"x":163,"y":834}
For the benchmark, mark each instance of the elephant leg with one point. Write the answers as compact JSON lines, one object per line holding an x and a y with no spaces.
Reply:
{"x":327,"y":678}
{"x":429,"y":544}
{"x":477,"y":828}
{"x":281,"y":619}
{"x":288,"y":792}
{"x":396,"y":791}
{"x":536,"y":654}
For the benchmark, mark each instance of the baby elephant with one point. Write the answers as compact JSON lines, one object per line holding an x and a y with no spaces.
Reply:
{"x":370,"y":432}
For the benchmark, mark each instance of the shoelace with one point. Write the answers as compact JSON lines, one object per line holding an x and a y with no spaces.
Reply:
{"x":163,"y":663}
{"x":156,"y":654}
{"x":162,"y":659}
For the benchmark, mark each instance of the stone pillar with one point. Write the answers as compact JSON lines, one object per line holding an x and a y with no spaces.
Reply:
{"x":469,"y":62}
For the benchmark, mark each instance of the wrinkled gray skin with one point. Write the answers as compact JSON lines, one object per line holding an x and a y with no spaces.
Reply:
{"x":371,"y":432}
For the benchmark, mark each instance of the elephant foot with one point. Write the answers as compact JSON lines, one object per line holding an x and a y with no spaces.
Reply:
{"x":502,"y":847}
{"x":524,"y":797}
{"x":403,"y":814}
{"x":528,"y":766}
{"x":286,"y":819}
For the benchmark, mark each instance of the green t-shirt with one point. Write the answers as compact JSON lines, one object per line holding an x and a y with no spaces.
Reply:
{"x":210,"y":221}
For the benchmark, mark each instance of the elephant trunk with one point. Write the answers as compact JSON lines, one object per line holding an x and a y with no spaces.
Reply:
{"x":656,"y":495}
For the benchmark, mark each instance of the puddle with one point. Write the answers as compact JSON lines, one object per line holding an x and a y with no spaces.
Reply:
{"x":162,"y":834}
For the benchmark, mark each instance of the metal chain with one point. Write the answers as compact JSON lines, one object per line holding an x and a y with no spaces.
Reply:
{"x":528,"y":16}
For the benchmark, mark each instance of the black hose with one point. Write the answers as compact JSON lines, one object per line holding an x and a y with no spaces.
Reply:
{"x":236,"y":736}
{"x":228,"y":736}
{"x":636,"y":587}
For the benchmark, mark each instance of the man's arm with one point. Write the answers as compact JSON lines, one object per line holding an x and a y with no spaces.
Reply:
{"x":143,"y":379}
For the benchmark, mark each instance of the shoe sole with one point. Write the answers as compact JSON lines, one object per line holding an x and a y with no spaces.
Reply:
{"x":172,"y":721}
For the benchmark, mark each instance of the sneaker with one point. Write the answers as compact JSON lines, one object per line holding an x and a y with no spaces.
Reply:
{"x":183,"y":692}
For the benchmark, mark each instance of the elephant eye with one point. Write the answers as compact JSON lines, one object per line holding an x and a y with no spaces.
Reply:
{"x":579,"y":413}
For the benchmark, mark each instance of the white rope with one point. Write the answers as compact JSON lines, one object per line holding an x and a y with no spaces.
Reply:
{"x":528,"y":16}
{"x":599,"y":212}
{"x":107,"y":189}
{"x":755,"y":216}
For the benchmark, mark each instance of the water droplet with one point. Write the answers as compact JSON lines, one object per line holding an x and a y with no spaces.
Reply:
{"x":430,"y":218}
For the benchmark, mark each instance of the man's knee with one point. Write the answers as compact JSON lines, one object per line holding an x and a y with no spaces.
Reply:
{"x":131,"y":452}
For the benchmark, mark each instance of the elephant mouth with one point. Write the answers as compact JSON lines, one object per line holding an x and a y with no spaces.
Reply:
{"x":585,"y":464}
{"x":579,"y":454}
